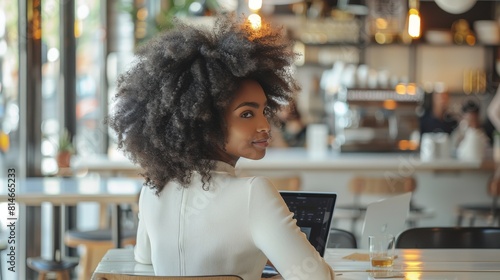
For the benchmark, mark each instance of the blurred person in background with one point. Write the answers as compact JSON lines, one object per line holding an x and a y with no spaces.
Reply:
{"x":437,"y":118}
{"x":470,"y":123}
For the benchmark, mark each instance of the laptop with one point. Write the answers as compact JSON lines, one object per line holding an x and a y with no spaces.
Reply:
{"x":386,"y":216}
{"x":313,"y":212}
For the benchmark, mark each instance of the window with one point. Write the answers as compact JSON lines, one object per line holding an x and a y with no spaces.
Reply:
{"x":9,"y":89}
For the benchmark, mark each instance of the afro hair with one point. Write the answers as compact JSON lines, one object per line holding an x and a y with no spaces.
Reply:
{"x":169,"y":106}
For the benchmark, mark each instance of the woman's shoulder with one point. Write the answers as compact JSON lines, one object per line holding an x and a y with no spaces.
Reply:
{"x":253,"y":181}
{"x":249,"y":184}
{"x":260,"y":187}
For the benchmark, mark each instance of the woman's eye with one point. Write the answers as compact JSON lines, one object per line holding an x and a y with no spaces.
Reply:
{"x":247,"y":114}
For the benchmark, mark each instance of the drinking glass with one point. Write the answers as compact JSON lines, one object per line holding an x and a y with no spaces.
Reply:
{"x":381,"y":251}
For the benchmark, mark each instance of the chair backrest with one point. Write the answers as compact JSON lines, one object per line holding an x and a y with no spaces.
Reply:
{"x":113,"y":276}
{"x":450,"y":238}
{"x":382,"y":185}
{"x":286,"y":183}
{"x":340,"y":238}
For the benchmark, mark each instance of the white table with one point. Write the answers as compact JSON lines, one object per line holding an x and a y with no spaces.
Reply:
{"x":424,"y":260}
{"x":71,"y":191}
{"x":443,"y":264}
{"x":32,"y":192}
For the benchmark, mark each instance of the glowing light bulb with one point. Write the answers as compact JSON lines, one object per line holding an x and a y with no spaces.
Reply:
{"x":413,"y":19}
{"x":255,"y":21}
{"x":414,"y":23}
{"x":255,"y":5}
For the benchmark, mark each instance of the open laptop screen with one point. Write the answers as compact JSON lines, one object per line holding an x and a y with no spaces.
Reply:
{"x":313,"y":212}
{"x":385,"y":216}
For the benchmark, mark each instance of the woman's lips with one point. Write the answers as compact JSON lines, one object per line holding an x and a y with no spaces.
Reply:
{"x":264,"y":143}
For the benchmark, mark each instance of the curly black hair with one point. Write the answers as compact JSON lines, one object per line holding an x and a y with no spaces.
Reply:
{"x":169,"y":105}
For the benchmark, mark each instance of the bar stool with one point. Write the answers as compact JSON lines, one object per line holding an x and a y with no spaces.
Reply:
{"x":61,"y":268}
{"x":3,"y":246}
{"x":95,"y":243}
{"x":44,"y":267}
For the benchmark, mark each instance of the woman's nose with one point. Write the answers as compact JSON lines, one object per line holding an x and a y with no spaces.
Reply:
{"x":264,"y":125}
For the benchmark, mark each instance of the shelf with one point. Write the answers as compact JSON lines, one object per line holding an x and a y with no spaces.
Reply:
{"x":330,"y":44}
{"x":374,"y":44}
{"x":381,"y":95}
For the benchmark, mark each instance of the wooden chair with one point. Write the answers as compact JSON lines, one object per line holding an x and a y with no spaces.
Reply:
{"x":362,"y":186}
{"x":450,"y":238}
{"x":110,"y":276}
{"x":488,"y":212}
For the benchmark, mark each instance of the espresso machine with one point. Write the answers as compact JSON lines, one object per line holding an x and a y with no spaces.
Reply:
{"x":375,"y":120}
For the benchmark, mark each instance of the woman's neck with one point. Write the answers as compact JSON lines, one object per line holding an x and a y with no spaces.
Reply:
{"x":227,"y":158}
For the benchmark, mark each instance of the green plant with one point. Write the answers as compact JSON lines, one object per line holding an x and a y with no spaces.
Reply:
{"x":65,"y":144}
{"x":163,"y":19}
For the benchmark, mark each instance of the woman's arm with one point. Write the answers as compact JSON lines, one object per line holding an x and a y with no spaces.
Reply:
{"x":276,"y":233}
{"x":142,"y":250}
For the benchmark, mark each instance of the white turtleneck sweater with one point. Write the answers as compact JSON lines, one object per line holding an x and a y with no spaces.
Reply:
{"x":231,"y":229}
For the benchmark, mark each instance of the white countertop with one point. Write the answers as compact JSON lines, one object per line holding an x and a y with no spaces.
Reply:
{"x":299,"y":159}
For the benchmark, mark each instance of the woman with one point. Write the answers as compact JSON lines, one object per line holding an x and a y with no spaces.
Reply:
{"x":193,"y":104}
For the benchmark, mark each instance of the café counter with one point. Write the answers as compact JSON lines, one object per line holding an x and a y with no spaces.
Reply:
{"x":301,"y":160}
{"x":441,"y":184}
